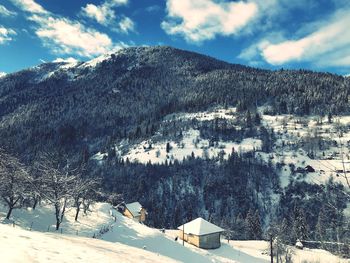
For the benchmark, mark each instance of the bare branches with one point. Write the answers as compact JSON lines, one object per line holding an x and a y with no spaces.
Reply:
{"x":14,"y":181}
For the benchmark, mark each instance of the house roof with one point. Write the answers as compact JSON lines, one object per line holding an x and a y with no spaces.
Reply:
{"x":134,"y":208}
{"x":200,"y":227}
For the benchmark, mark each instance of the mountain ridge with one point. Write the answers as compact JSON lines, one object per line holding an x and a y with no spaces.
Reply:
{"x":136,"y":87}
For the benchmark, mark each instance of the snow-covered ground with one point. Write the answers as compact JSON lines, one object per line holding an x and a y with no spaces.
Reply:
{"x":124,"y":240}
{"x":190,"y":143}
{"x":18,"y":245}
{"x":291,"y":130}
{"x":289,"y":148}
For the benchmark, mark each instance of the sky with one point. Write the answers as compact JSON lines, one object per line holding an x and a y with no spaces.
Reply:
{"x":272,"y":34}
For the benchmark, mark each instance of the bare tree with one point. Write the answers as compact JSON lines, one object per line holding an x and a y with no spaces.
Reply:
{"x":14,"y":181}
{"x":83,"y":193}
{"x":57,"y":182}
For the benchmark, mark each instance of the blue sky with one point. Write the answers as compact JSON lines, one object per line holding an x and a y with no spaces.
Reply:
{"x":310,"y":34}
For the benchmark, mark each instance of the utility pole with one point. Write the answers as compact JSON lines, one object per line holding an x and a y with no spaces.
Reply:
{"x":271,"y":248}
{"x":183,"y":234}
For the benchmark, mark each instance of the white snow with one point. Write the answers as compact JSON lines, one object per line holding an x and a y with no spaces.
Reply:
{"x":200,"y":227}
{"x":259,"y":249}
{"x":217,"y":113}
{"x":2,"y":74}
{"x":67,"y":63}
{"x":190,"y":143}
{"x":123,"y":240}
{"x":94,"y":62}
{"x":18,"y":245}
{"x":290,"y":130}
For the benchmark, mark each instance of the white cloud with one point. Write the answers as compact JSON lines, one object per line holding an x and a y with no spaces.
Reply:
{"x":6,"y":34}
{"x":30,"y":6}
{"x":2,"y":74}
{"x":201,"y":20}
{"x":105,"y":15}
{"x":332,"y":40}
{"x":102,"y":14}
{"x":153,"y":8}
{"x":65,"y":36}
{"x":322,"y":43}
{"x":5,"y":12}
{"x":69,"y":37}
{"x":126,"y":25}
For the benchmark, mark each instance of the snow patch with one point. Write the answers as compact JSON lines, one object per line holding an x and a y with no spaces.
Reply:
{"x":2,"y":74}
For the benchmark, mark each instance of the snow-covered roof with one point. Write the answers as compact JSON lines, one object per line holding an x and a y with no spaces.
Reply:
{"x":134,"y":208}
{"x":200,"y":227}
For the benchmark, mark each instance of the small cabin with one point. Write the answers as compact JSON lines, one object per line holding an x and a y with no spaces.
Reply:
{"x":201,"y":233}
{"x":134,"y":211}
{"x":309,"y":169}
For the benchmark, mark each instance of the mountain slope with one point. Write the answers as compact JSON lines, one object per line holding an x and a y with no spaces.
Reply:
{"x":124,"y":95}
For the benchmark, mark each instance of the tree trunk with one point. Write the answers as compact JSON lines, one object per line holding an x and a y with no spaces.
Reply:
{"x":58,"y":224}
{"x":77,"y":213}
{"x":57,"y":214}
{"x":63,"y":209}
{"x":36,"y":200}
{"x":9,"y":212}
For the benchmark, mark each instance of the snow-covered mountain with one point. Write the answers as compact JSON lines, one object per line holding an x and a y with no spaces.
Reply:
{"x":188,"y":135}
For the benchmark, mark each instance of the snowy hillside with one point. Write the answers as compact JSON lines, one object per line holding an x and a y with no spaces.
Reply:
{"x":123,"y":240}
{"x":17,"y":245}
{"x":297,"y":144}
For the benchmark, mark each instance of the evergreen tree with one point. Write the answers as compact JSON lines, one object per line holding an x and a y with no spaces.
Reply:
{"x":257,"y":226}
{"x":321,"y":226}
{"x":250,"y":225}
{"x":300,"y":227}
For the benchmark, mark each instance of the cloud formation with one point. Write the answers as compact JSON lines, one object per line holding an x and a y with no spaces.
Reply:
{"x":30,"y":6}
{"x":6,"y":34}
{"x":65,"y":36}
{"x":105,"y":15}
{"x":202,"y":20}
{"x":70,"y":37}
{"x":126,"y":25}
{"x":5,"y":12}
{"x":323,"y":43}
{"x":329,"y":41}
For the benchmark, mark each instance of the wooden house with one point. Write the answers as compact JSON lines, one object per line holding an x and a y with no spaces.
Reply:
{"x":201,"y":233}
{"x":134,"y":211}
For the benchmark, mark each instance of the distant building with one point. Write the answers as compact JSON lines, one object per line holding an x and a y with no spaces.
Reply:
{"x":134,"y":211}
{"x":309,"y":169}
{"x":201,"y":233}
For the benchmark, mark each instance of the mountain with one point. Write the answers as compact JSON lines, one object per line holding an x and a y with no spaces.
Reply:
{"x":190,"y":136}
{"x":114,"y":96}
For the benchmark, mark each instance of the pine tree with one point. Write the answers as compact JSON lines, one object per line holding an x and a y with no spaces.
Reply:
{"x":321,"y":226}
{"x":239,"y":228}
{"x":249,"y":224}
{"x":300,"y":227}
{"x":257,"y":226}
{"x":284,"y":231}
